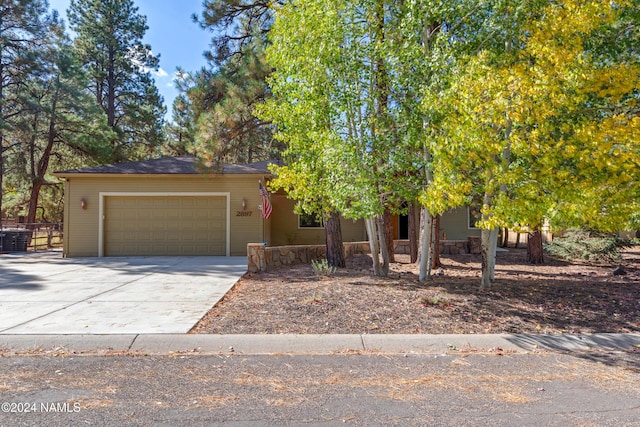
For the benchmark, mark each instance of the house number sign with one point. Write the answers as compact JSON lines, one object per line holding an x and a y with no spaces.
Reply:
{"x":243,"y":213}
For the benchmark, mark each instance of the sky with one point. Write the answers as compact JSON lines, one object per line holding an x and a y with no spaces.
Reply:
{"x":171,"y":34}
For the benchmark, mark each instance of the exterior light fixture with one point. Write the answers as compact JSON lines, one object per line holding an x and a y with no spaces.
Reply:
{"x":83,"y":204}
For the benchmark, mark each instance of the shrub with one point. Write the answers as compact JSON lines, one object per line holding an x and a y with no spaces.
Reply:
{"x":437,"y":301}
{"x":589,"y":245}
{"x":322,"y":268}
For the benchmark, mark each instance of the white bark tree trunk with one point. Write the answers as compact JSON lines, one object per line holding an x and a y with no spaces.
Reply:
{"x":377,"y":243}
{"x":489,"y":242}
{"x":493,"y":246}
{"x":426,"y":227}
{"x":485,"y":281}
{"x":373,"y":242}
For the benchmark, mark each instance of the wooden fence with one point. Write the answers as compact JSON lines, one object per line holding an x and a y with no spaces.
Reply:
{"x":22,"y":237}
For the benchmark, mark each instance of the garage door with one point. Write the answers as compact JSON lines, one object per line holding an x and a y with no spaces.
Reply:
{"x":165,"y":225}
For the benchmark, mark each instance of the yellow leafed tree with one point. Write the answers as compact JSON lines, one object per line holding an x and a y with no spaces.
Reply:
{"x":549,"y":126}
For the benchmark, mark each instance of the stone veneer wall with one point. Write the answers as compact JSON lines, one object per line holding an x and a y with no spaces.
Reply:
{"x":264,"y":258}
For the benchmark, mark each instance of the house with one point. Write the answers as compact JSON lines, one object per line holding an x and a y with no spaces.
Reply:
{"x":168,"y":207}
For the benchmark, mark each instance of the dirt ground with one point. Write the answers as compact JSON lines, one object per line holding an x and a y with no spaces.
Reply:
{"x":557,"y":297}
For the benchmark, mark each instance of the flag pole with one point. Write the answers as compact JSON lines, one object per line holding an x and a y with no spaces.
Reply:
{"x":267,"y":208}
{"x":261,"y":209}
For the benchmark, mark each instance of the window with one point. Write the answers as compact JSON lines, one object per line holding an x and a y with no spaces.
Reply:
{"x":309,"y":221}
{"x":474,"y":213}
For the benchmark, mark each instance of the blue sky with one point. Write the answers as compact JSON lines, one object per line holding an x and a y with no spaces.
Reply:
{"x":171,"y":34}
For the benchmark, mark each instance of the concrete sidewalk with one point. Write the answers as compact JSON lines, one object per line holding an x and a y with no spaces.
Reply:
{"x":314,"y":344}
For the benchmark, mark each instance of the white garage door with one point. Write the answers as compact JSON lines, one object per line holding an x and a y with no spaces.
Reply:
{"x":164,"y":225}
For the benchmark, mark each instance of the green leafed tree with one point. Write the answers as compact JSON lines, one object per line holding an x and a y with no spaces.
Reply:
{"x":109,"y":44}
{"x":428,"y":40}
{"x":546,"y":125}
{"x":335,"y":107}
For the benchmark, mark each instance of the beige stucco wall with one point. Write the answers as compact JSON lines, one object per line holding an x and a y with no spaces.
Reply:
{"x":82,"y":226}
{"x":285,"y":229}
{"x":454,"y":224}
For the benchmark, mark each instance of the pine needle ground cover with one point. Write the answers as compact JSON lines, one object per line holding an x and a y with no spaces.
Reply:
{"x":557,"y":297}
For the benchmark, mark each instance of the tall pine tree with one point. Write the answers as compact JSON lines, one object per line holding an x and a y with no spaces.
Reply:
{"x":60,"y":127}
{"x":23,"y":29}
{"x":109,"y":44}
{"x":224,"y":94}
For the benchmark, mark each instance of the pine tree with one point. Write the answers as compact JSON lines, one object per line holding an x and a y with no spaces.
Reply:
{"x":180,"y":131}
{"x":60,"y":122}
{"x":23,"y":28}
{"x":226,"y":129}
{"x":109,"y":44}
{"x":224,"y":94}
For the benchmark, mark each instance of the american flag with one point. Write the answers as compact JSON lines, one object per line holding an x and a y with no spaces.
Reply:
{"x":267,"y":209}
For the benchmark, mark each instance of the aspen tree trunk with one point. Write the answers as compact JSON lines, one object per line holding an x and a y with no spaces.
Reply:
{"x":485,"y":281}
{"x":425,"y":244}
{"x":488,"y":242}
{"x":505,"y":240}
{"x":429,"y":30}
{"x":489,"y":238}
{"x":372,"y":233}
{"x":493,"y":245}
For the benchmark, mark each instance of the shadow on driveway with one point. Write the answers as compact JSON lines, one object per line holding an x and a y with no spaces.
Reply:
{"x":44,"y":293}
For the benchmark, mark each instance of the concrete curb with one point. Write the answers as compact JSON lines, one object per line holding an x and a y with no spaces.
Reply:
{"x":312,"y":344}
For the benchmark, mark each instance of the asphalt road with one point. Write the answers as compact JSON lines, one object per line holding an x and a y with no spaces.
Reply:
{"x":458,"y":388}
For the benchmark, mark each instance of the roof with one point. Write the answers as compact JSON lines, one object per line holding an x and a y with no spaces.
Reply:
{"x":179,"y":165}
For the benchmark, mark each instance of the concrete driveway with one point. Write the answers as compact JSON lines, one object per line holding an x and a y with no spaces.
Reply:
{"x":44,"y":293}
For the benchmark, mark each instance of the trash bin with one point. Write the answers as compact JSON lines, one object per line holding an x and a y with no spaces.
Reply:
{"x":8,"y":241}
{"x":14,"y":240}
{"x":22,"y":240}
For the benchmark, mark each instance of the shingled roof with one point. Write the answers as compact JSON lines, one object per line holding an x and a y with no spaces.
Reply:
{"x":179,"y":165}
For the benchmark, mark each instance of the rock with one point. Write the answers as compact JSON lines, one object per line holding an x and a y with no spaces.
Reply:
{"x":619,"y":271}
